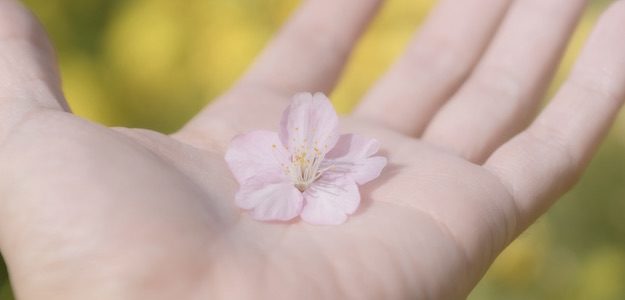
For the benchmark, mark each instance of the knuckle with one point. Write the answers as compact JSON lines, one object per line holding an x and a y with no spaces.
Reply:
{"x":497,"y":83}
{"x":549,"y":143}
{"x":438,"y":58}
{"x":318,"y":40}
{"x":597,"y":85}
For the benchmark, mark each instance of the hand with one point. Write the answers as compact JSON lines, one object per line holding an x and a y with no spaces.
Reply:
{"x":88,"y":212}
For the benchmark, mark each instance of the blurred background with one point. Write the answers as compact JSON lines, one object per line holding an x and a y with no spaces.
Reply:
{"x":155,"y":63}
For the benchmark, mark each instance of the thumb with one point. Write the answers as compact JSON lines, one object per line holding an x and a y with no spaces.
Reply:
{"x":29,"y":76}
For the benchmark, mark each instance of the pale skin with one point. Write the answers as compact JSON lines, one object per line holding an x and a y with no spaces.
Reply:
{"x":88,"y":212}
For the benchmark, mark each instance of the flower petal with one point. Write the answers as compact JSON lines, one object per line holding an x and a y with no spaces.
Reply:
{"x":254,"y":154}
{"x":309,"y":122}
{"x":272,"y":197}
{"x":330,"y":199}
{"x":368,"y":169}
{"x":352,"y":156}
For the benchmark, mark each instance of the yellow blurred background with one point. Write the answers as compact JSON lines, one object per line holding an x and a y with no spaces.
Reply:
{"x":155,"y":63}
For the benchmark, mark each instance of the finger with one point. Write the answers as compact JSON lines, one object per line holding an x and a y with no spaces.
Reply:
{"x":310,"y":51}
{"x":28,"y":68}
{"x":504,"y":91}
{"x":546,"y":159}
{"x":308,"y":54}
{"x":434,"y":65}
{"x":29,"y":77}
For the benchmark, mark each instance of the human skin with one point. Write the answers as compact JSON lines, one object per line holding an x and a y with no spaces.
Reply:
{"x":89,"y":212}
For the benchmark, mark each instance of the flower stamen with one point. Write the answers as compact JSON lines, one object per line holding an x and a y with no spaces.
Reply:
{"x":305,"y":167}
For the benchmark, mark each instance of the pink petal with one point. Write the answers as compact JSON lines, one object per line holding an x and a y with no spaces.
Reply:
{"x":254,"y":154}
{"x":309,"y":122}
{"x":330,"y":199}
{"x":352,"y":156}
{"x":272,"y":197}
{"x":353,"y":146}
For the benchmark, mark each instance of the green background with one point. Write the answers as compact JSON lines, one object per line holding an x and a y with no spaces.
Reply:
{"x":154,"y":63}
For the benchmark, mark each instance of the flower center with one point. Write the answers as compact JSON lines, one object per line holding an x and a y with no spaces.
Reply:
{"x":306,"y":168}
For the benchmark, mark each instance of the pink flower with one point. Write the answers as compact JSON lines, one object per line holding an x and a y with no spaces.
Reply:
{"x":306,"y":169}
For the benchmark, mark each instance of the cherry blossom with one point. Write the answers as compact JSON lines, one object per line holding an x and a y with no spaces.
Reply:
{"x":307,"y":169}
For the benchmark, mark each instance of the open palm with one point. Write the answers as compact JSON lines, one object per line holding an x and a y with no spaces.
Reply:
{"x":89,"y":212}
